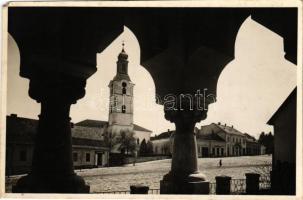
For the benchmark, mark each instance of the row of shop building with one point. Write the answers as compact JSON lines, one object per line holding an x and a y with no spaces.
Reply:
{"x":214,"y":140}
{"x":89,"y":148}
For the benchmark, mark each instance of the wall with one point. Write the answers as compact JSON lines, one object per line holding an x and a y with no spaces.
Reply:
{"x":160,"y":145}
{"x":81,"y":161}
{"x":81,"y":158}
{"x":212,"y":146}
{"x":142,"y":135}
{"x":130,"y":160}
{"x":285,"y":139}
{"x":14,"y":165}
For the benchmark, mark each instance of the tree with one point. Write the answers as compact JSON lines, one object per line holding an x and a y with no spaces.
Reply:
{"x":110,"y":140}
{"x":268,"y":141}
{"x":128,"y":142}
{"x":143,"y":148}
{"x":149,"y":148}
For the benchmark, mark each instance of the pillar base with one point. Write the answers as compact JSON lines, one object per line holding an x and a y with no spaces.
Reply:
{"x":192,"y":184}
{"x":51,"y":184}
{"x":167,"y":187}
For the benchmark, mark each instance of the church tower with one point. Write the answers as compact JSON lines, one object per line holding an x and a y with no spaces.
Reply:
{"x":121,"y":97}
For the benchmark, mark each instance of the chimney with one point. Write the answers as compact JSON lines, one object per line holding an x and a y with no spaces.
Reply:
{"x":168,"y":130}
{"x":232,"y":126}
{"x":72,"y":125}
{"x":219,"y":123}
{"x":224,"y":125}
{"x":14,"y":115}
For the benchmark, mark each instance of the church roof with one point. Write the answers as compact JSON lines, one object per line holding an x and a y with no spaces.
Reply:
{"x":140,"y":128}
{"x":101,"y":124}
{"x":92,"y":123}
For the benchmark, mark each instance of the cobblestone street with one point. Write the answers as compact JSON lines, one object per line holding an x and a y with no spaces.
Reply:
{"x":150,"y":173}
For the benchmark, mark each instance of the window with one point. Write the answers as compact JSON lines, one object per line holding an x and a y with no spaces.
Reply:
{"x":124,"y":68}
{"x":123,"y":109}
{"x":218,"y":151}
{"x":75,"y":157}
{"x":23,"y":155}
{"x":115,"y":102}
{"x":222,"y":151}
{"x":87,"y":157}
{"x":124,"y":88}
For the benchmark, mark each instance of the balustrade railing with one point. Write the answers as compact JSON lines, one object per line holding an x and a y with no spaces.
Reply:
{"x":237,"y":186}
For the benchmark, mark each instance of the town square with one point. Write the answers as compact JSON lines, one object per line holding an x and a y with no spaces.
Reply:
{"x":148,"y":100}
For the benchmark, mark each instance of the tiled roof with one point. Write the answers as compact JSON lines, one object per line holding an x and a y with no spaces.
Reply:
{"x":229,"y":129}
{"x":88,"y":142}
{"x":23,"y":130}
{"x":139,"y":128}
{"x":250,"y":138}
{"x":91,"y":133}
{"x":92,"y":123}
{"x":163,"y":135}
{"x":101,"y":124}
{"x":20,"y":129}
{"x":211,"y":136}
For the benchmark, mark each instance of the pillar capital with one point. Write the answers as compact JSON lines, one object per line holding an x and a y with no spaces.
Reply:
{"x":57,"y":88}
{"x":186,"y":112}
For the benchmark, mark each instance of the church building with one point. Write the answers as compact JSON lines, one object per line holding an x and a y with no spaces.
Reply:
{"x":121,"y":107}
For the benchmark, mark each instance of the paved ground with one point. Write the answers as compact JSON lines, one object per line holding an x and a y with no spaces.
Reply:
{"x":150,"y":173}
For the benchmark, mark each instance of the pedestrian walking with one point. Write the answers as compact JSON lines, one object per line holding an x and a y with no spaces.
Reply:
{"x":220,"y":163}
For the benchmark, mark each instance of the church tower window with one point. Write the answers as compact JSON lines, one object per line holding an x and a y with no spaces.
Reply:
{"x":123,"y":108}
{"x":124,"y":88}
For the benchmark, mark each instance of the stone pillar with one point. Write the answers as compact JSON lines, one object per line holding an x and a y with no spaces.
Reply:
{"x":52,"y":166}
{"x":139,"y":189}
{"x":184,"y":177}
{"x":252,"y":183}
{"x":223,"y":184}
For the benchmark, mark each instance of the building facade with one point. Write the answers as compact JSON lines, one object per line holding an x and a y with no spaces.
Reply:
{"x":162,"y":143}
{"x":284,"y":121}
{"x":234,"y":141}
{"x":88,"y":146}
{"x":214,"y":140}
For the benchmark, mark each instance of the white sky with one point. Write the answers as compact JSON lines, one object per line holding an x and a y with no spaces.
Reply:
{"x":250,"y":88}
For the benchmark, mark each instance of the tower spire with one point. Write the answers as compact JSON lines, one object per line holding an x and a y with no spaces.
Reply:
{"x":123,"y":44}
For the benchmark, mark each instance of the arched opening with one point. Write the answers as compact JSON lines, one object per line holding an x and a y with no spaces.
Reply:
{"x":95,"y":103}
{"x":248,"y":90}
